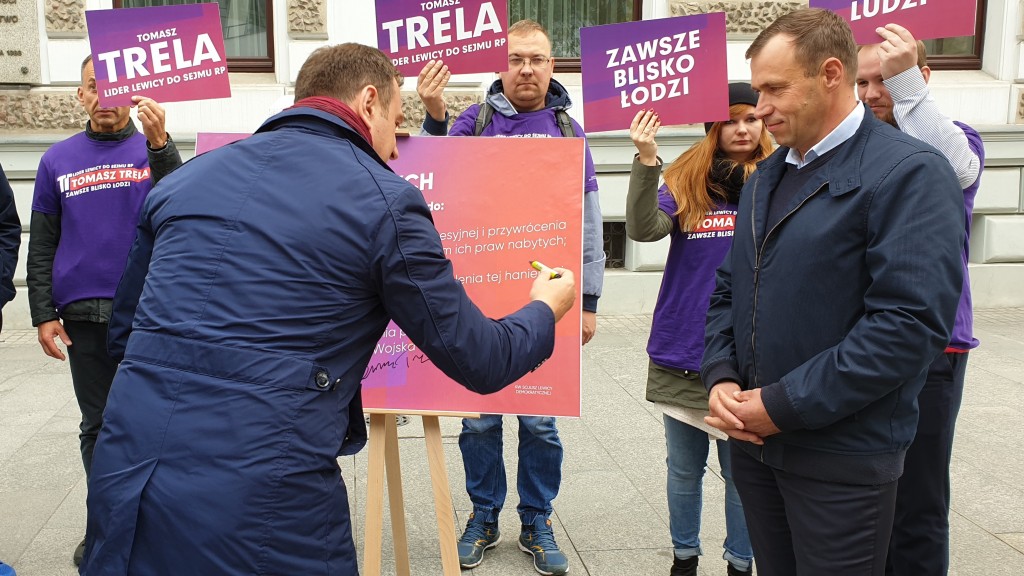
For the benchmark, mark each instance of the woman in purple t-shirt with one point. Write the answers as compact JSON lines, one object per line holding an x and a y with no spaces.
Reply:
{"x":696,"y":207}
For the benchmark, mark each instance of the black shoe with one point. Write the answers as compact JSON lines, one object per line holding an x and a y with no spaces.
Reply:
{"x":79,"y":553}
{"x":687,"y":567}
{"x":733,"y":571}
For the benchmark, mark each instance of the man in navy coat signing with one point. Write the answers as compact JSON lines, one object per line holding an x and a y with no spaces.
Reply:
{"x":263,"y":274}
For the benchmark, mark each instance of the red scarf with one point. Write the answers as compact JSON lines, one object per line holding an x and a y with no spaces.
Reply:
{"x":339,"y":109}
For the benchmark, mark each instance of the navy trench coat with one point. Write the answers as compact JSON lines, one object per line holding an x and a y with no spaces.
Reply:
{"x":263,"y":274}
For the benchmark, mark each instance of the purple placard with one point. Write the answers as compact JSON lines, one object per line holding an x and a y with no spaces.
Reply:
{"x":676,"y":66}
{"x":168,"y":53}
{"x":469,"y":35}
{"x":926,"y":19}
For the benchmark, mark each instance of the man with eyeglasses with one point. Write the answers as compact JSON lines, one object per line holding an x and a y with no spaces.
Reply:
{"x":526,"y":102}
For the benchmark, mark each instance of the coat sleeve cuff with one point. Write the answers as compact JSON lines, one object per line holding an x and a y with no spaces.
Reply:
{"x":590,"y":303}
{"x":38,"y":319}
{"x":716,"y":373}
{"x":780,"y":409}
{"x":435,"y":127}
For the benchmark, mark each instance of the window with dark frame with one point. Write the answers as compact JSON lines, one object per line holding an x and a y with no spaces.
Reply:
{"x":960,"y":53}
{"x":614,"y":233}
{"x":564,"y":18}
{"x":248,"y":30}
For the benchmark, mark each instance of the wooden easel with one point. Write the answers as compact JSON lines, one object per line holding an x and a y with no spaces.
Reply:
{"x":383,"y":456}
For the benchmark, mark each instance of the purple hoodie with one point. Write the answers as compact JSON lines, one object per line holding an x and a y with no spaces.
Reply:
{"x":963,"y":329}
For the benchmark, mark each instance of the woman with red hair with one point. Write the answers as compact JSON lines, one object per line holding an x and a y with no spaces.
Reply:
{"x":696,"y":207}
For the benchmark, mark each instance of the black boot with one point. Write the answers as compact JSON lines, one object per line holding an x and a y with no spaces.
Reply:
{"x":733,"y":571}
{"x":686,"y":567}
{"x":79,"y":554}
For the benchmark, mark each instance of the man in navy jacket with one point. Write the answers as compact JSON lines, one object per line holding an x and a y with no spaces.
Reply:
{"x":10,"y":240}
{"x":840,"y":289}
{"x":263,"y":274}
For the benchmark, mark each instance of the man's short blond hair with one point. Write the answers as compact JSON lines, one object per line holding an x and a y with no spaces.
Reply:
{"x":526,"y":26}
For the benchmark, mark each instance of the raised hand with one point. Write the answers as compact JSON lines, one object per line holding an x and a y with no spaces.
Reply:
{"x":430,"y":86}
{"x":642,"y":132}
{"x":151,"y":115}
{"x":897,"y":50}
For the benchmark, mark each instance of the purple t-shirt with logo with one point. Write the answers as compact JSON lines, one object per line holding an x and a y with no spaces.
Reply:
{"x":677,"y":329}
{"x":97,"y":188}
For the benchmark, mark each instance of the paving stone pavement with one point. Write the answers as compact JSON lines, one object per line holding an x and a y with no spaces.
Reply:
{"x":611,"y":518}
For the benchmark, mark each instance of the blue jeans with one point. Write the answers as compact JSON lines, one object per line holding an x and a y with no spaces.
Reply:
{"x":540,"y":466}
{"x":687,"y":460}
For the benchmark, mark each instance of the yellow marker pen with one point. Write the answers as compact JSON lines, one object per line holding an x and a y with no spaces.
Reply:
{"x":542,"y":268}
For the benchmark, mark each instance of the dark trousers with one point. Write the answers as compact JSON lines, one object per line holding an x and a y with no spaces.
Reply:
{"x":92,"y":371}
{"x":920,"y":534}
{"x":804,"y":527}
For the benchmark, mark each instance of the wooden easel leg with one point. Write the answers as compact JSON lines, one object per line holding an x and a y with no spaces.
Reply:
{"x":395,"y":500}
{"x":374,"y":533}
{"x":442,"y":496}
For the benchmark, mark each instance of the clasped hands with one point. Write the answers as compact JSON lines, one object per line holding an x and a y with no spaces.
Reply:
{"x":739,"y":413}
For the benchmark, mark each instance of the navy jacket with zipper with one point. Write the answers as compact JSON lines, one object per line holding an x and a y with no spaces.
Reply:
{"x":837,"y":311}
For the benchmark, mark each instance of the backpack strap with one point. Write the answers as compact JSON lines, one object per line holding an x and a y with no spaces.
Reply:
{"x":483,"y":118}
{"x":565,"y":124}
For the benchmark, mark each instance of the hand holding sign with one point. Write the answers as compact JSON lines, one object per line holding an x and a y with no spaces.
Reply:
{"x":430,"y":86}
{"x":642,"y":132}
{"x":151,"y":114}
{"x":898,"y":50}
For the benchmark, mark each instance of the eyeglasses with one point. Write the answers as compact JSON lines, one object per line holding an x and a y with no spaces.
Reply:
{"x":517,"y":62}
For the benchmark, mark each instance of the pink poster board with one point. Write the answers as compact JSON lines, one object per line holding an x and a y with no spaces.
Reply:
{"x":168,"y":53}
{"x":926,"y":19}
{"x":491,"y":225}
{"x":677,"y":66}
{"x":469,"y":35}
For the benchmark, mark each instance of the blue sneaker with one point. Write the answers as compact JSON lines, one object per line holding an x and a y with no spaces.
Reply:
{"x":539,"y":541}
{"x":479,"y":536}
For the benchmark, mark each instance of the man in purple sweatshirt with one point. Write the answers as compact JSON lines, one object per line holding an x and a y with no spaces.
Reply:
{"x":88,"y":193}
{"x":892,"y":78}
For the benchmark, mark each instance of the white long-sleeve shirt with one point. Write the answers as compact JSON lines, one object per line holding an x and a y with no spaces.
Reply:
{"x":918,"y":115}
